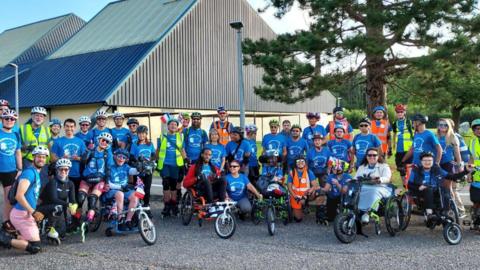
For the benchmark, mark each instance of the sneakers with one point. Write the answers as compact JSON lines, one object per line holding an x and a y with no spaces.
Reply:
{"x":83,"y":230}
{"x":5,"y":239}
{"x":462,"y":215}
{"x":365,"y":218}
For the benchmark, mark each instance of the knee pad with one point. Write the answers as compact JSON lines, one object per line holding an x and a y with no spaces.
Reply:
{"x":33,"y":247}
{"x":92,"y":201}
{"x":81,"y":198}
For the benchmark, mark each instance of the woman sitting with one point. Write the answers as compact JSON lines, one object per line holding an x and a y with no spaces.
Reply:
{"x":237,"y":186}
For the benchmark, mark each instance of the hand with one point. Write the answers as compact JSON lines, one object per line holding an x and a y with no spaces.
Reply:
{"x":260,"y":196}
{"x":72,"y":207}
{"x":377,"y":180}
{"x":469,"y":167}
{"x":422,"y":187}
{"x":350,"y":170}
{"x":38,"y":216}
{"x":335,"y":182}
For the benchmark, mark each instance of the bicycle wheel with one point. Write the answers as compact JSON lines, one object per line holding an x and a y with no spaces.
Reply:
{"x":186,"y":208}
{"x":147,"y":229}
{"x":270,"y":218}
{"x":345,"y":228}
{"x":225,"y":225}
{"x":452,"y":233}
{"x":256,"y":214}
{"x":393,"y":216}
{"x":289,"y":213}
{"x":406,"y":210}
{"x":94,"y":225}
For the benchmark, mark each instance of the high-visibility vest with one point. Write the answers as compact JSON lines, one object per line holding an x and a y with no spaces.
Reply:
{"x":342,"y":122}
{"x":406,"y":134}
{"x":299,"y":186}
{"x":224,"y":135}
{"x":475,"y":152}
{"x":163,"y":151}
{"x":29,"y":139}
{"x":381,"y":131}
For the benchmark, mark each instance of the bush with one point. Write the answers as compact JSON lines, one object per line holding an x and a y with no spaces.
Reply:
{"x":354,"y":116}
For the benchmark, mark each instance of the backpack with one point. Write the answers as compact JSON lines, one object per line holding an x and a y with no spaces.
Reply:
{"x":409,"y":127}
{"x":13,"y":191}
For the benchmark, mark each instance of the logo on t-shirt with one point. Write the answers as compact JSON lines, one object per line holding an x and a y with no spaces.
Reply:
{"x":7,"y":146}
{"x":418,"y":145}
{"x":70,"y":150}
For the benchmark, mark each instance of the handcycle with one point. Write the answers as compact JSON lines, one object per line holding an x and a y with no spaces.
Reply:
{"x":474,"y":221}
{"x":347,"y":224}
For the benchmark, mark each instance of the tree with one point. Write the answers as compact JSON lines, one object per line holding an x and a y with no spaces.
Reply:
{"x":295,"y":64}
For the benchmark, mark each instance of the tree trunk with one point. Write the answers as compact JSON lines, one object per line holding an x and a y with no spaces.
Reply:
{"x":376,"y":90}
{"x":455,"y":111}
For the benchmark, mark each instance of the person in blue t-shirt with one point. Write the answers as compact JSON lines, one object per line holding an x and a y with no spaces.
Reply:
{"x":237,"y":187}
{"x":132,"y":137}
{"x":55,"y":126}
{"x":318,"y":157}
{"x":363,"y":141}
{"x":341,"y":148}
{"x":101,"y":125}
{"x":423,"y":141}
{"x":85,"y":134}
{"x":334,"y":187}
{"x":253,"y":169}
{"x":238,"y":149}
{"x":119,"y":133}
{"x":4,"y":105}
{"x":313,"y":128}
{"x":194,"y":138}
{"x":274,"y":140}
{"x":218,"y":150}
{"x":295,"y":145}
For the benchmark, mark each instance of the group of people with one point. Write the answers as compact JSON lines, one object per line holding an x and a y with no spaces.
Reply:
{"x":47,"y":175}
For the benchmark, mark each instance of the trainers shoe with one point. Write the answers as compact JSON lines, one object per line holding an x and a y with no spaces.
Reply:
{"x":462,"y":215}
{"x":365,"y":218}
{"x":129,"y":225}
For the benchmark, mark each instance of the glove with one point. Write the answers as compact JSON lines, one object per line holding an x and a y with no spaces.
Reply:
{"x":72,"y":207}
{"x":38,"y":216}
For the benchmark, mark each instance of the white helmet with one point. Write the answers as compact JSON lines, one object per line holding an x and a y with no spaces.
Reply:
{"x":41,"y":150}
{"x":84,"y":119}
{"x":9,"y":113}
{"x":101,"y":114}
{"x":106,"y":136}
{"x":63,"y":162}
{"x":40,"y":110}
{"x":117,"y":115}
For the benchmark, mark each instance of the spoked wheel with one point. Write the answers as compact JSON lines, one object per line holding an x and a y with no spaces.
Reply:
{"x":345,"y":228}
{"x":186,"y":208}
{"x":452,"y":212}
{"x":393,"y":216}
{"x":452,"y":233}
{"x":406,"y":211}
{"x":225,"y":225}
{"x":94,"y":225}
{"x":270,"y":218}
{"x":289,"y":213}
{"x":256,"y":214}
{"x":147,"y":229}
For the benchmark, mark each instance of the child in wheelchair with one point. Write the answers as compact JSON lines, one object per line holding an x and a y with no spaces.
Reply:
{"x":272,"y":171}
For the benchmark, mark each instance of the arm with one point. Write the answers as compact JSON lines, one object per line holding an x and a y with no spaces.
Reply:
{"x":20,"y":196}
{"x":439,"y":154}
{"x":385,"y":174}
{"x":19,"y":160}
{"x":252,"y":189}
{"x":71,"y":192}
{"x":394,"y":143}
{"x":408,"y":154}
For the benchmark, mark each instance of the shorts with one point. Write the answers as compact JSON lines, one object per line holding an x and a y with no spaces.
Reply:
{"x":91,"y":187}
{"x":474,"y":194}
{"x":398,"y":162}
{"x":174,"y":172}
{"x":169,"y":184}
{"x":110,"y":195}
{"x":7,"y":179}
{"x":25,"y":224}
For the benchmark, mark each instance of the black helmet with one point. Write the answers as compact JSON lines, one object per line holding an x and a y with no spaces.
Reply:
{"x":142,"y":129}
{"x":337,"y":109}
{"x":238,"y":130}
{"x":132,"y":121}
{"x":426,"y":154}
{"x":420,"y":117}
{"x":300,"y":157}
{"x":365,"y":120}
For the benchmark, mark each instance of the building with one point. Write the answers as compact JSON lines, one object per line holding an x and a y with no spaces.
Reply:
{"x":156,"y":56}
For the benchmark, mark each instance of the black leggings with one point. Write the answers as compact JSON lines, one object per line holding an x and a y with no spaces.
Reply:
{"x":209,"y":190}
{"x":427,"y":195}
{"x":332,"y":206}
{"x":147,"y":181}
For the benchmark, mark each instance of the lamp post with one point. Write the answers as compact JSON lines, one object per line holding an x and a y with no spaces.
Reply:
{"x":15,"y":66}
{"x":238,"y":26}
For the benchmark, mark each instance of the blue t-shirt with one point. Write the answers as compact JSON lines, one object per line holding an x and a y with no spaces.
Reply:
{"x":133,"y":137}
{"x":86,"y":138}
{"x":68,"y":148}
{"x":9,"y":144}
{"x":237,"y":187}
{"x":338,"y":123}
{"x":424,"y":142}
{"x":295,"y":148}
{"x":207,"y":170}
{"x":447,"y":151}
{"x":142,"y":150}
{"x":120,"y":134}
{"x":194,"y":141}
{"x":361,"y":143}
{"x":242,"y":150}
{"x":401,"y":129}
{"x":340,"y":149}
{"x":309,"y":131}
{"x":268,"y":170}
{"x":253,"y":161}
{"x":119,"y":176}
{"x":311,"y":176}
{"x":97,"y":164}
{"x":318,"y":160}
{"x":427,"y":179}
{"x":171,"y":153}
{"x":335,"y":192}
{"x":33,"y":192}
{"x":274,"y":142}
{"x":15,"y":128}
{"x":218,"y":153}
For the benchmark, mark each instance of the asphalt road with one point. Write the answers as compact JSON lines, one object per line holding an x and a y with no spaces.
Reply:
{"x":296,"y":246}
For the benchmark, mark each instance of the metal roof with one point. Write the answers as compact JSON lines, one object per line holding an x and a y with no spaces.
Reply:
{"x":126,"y":23}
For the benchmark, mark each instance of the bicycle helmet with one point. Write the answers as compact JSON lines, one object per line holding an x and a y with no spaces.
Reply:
{"x":196,"y":115}
{"x":300,"y":157}
{"x":475,"y":123}
{"x":184,"y":115}
{"x":55,"y":121}
{"x":118,"y":115}
{"x":9,"y":113}
{"x":339,"y":127}
{"x":132,"y":121}
{"x":274,"y":123}
{"x":365,"y":120}
{"x":41,"y":150}
{"x":400,"y":108}
{"x":173,"y":120}
{"x":84,"y":119}
{"x":4,"y":102}
{"x":40,"y":110}
{"x":426,"y":154}
{"x":101,"y":114}
{"x":420,"y":117}
{"x":106,"y":136}
{"x":251,"y":128}
{"x":121,"y":151}
{"x":63,"y":162}
{"x":379,"y":108}
{"x":271,"y":153}
{"x":142,"y":129}
{"x":238,"y":130}
{"x":313,"y":115}
{"x":221,"y":109}
{"x":318,"y":136}
{"x":337,"y":109}
{"x":297,"y":126}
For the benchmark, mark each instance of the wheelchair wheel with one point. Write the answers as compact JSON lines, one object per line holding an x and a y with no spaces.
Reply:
{"x":452,"y":212}
{"x":452,"y":233}
{"x":225,"y":225}
{"x":393,"y":216}
{"x":289,"y":213}
{"x":270,"y":218}
{"x":96,"y":222}
{"x":186,"y":208}
{"x":345,"y":227}
{"x":406,"y":210}
{"x":147,"y":229}
{"x":256,"y":214}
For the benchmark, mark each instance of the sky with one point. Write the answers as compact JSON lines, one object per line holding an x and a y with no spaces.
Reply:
{"x":15,"y":13}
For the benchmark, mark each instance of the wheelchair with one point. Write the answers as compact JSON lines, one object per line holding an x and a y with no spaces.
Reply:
{"x":347,"y":224}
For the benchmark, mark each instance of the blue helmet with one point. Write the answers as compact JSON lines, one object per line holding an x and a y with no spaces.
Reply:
{"x":55,"y":121}
{"x":221,"y":109}
{"x":379,"y":108}
{"x":121,"y":151}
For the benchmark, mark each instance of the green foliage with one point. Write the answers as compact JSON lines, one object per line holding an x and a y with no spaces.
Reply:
{"x":354,"y":116}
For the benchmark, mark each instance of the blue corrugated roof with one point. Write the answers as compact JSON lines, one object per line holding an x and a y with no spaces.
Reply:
{"x":9,"y":72}
{"x":78,"y":79}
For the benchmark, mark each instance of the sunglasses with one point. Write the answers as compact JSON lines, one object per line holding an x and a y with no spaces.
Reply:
{"x":9,"y":119}
{"x":222,"y":113}
{"x":442,"y":125}
{"x":363,"y":126}
{"x":84,"y":125}
{"x":296,"y":131}
{"x":234,"y":166}
{"x":300,"y":161}
{"x":121,"y":157}
{"x":63,"y":169}
{"x":101,"y":118}
{"x":372,"y":155}
{"x":196,"y":119}
{"x":339,"y":113}
{"x":104,"y":141}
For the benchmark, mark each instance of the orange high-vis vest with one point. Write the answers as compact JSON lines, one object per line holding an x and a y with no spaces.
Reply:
{"x":222,"y":132}
{"x":381,"y":131}
{"x":299,"y":186}
{"x":345,"y":125}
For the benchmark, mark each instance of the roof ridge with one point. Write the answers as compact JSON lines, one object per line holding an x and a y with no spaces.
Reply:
{"x":41,"y":21}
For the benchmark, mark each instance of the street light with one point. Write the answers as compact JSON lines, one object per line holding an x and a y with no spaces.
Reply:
{"x":238,"y":26}
{"x":339,"y":100}
{"x":15,"y":66}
